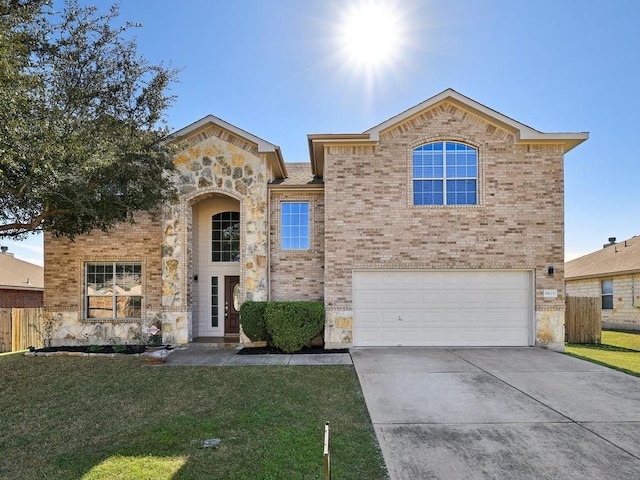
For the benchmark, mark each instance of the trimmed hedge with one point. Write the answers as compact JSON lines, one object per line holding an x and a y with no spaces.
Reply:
{"x":253,"y":320}
{"x":292,"y":325}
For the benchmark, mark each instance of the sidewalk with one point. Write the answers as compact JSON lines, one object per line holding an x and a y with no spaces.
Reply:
{"x":217,"y":357}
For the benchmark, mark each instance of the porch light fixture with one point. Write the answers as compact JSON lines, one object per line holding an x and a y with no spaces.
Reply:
{"x":551,"y":270}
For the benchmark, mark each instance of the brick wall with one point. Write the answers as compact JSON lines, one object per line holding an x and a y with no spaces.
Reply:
{"x":64,"y":262}
{"x":624,"y":313}
{"x":370,"y":220}
{"x":297,"y":275}
{"x":10,"y":298}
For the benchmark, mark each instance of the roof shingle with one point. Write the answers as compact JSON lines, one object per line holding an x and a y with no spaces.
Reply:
{"x":622,"y":257}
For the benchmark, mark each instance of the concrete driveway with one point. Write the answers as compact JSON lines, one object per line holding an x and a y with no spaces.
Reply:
{"x":500,"y":413}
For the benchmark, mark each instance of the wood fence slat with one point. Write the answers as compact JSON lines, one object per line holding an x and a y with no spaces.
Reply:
{"x":5,"y":330}
{"x":28,"y":328}
{"x":583,"y":323}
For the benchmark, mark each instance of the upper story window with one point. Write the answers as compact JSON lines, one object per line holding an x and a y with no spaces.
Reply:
{"x":225,"y":237}
{"x":607,"y":294}
{"x":445,"y":173}
{"x":294,"y":225}
{"x":113,"y":290}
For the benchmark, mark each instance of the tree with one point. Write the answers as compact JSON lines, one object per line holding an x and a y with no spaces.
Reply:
{"x":81,"y":121}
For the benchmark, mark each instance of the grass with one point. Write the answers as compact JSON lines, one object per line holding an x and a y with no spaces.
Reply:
{"x":619,"y":350}
{"x":95,"y":418}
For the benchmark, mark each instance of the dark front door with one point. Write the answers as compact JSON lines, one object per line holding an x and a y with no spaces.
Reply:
{"x":231,"y":305}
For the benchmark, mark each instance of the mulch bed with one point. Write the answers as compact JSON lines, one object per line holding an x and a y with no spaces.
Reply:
{"x":122,"y":349}
{"x":276,"y":351}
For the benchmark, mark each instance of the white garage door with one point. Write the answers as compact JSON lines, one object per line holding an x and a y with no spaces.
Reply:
{"x":442,"y":308}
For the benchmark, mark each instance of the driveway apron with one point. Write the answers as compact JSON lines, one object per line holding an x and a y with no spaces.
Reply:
{"x":500,"y":413}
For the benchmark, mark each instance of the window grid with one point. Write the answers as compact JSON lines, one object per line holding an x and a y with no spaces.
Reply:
{"x":607,"y":294}
{"x":225,"y":237}
{"x":113,"y":290}
{"x":294,"y":228}
{"x":214,"y":302}
{"x":445,"y":173}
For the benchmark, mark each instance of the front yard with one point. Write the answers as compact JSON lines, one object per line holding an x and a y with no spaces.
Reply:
{"x":115,"y":418}
{"x":619,"y":350}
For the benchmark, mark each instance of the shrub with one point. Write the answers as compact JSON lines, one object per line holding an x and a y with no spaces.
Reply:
{"x":292,"y":325}
{"x":253,"y":321}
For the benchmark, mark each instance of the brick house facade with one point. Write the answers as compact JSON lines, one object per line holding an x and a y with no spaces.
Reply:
{"x":613,"y":275}
{"x":480,"y":264}
{"x":21,"y":283}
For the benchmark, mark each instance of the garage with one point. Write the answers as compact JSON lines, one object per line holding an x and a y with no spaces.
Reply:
{"x":442,"y":308}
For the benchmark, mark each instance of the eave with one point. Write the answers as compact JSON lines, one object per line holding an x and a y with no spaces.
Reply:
{"x":272,"y":152}
{"x":318,"y":142}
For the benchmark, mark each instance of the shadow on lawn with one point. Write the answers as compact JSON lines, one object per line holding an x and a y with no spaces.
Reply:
{"x":602,"y":346}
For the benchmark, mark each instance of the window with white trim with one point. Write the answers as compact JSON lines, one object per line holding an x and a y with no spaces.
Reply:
{"x":225,"y":237}
{"x":607,"y":294}
{"x":294,"y":225}
{"x":445,"y":173}
{"x":113,"y":290}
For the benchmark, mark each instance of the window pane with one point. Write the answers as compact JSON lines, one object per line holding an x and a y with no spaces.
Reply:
{"x":129,"y":278}
{"x":461,"y":192}
{"x":427,"y":192}
{"x":607,"y":287}
{"x":225,"y":235}
{"x":214,"y":301}
{"x":128,"y":307}
{"x":100,"y":307}
{"x":294,"y":229}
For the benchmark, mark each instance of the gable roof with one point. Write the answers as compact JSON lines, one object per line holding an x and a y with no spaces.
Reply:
{"x":523,"y":133}
{"x":17,"y":274}
{"x":614,"y":259}
{"x":273,"y":152}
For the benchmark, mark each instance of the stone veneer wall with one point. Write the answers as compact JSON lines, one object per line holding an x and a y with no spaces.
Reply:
{"x":370,"y":221}
{"x":214,"y":166}
{"x":64,"y":275}
{"x":216,"y":163}
{"x":297,"y":274}
{"x":625,"y":287}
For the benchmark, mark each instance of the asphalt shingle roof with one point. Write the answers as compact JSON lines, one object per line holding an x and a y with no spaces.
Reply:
{"x":612,"y":260}
{"x":17,"y":273}
{"x":298,"y":174}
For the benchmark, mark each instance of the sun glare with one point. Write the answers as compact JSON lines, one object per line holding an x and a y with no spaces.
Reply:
{"x":370,"y":34}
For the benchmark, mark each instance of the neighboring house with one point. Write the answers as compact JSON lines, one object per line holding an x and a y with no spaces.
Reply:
{"x":612,"y":274}
{"x":440,"y":226}
{"x":21,"y":283}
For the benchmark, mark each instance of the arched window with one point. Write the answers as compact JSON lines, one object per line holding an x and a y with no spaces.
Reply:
{"x":225,"y":237}
{"x":445,"y":173}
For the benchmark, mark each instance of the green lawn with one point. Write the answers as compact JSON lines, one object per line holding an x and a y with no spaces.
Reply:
{"x":619,"y":350}
{"x":115,"y":418}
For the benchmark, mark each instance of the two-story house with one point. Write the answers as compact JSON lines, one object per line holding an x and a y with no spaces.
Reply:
{"x":443,"y":225}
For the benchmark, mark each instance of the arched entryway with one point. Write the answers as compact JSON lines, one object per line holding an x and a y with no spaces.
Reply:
{"x":216,"y":254}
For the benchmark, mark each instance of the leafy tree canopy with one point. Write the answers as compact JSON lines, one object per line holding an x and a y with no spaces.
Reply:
{"x":81,"y":121}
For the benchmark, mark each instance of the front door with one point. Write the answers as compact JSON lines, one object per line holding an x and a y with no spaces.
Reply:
{"x":231,"y":305}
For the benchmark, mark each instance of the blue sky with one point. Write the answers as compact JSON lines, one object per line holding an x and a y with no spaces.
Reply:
{"x":277,"y":69}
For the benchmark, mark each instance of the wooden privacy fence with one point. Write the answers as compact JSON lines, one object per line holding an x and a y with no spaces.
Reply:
{"x":583,"y":322}
{"x":21,"y":328}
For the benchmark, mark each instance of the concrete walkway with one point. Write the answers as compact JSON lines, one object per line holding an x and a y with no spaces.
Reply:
{"x":500,"y":413}
{"x":216,"y":357}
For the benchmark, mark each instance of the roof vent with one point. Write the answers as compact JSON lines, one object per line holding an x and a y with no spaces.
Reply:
{"x":4,"y":249}
{"x":612,"y":241}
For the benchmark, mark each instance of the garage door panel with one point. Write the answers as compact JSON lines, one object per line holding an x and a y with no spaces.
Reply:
{"x":442,"y":308}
